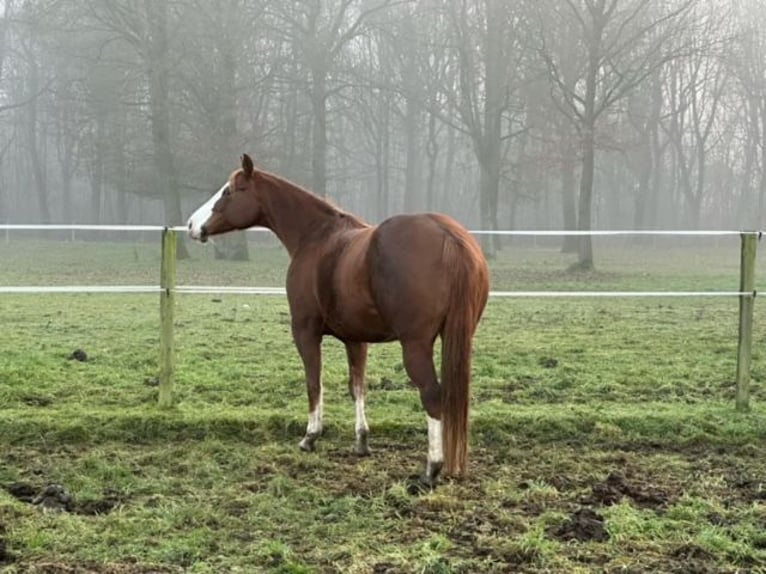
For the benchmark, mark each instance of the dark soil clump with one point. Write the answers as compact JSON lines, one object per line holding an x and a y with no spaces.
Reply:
{"x":56,"y":498}
{"x":584,"y":525}
{"x":79,"y":355}
{"x":97,"y":507}
{"x":691,"y":558}
{"x":22,"y":491}
{"x":5,"y":556}
{"x":616,"y":487}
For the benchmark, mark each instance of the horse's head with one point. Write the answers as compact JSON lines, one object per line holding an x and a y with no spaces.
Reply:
{"x":235,"y":206}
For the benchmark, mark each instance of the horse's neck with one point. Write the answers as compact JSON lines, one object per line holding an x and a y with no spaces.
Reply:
{"x":297,"y":216}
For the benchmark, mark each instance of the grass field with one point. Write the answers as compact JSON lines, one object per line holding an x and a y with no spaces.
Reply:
{"x":604,"y":435}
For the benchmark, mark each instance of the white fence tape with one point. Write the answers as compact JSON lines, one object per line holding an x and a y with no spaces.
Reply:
{"x":509,"y":232}
{"x":229,"y":290}
{"x":234,"y":290}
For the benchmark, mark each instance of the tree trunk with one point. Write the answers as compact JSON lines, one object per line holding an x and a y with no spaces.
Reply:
{"x":319,"y":131}
{"x":489,"y":137}
{"x":37,"y":162}
{"x":382,"y":159}
{"x":412,"y":138}
{"x":644,"y":167}
{"x":762,"y":186}
{"x":66,"y":152}
{"x":489,"y":185}
{"x":699,"y":188}
{"x":449,"y":166}
{"x":159,"y":68}
{"x":432,"y":152}
{"x":568,"y":204}
{"x":747,"y":196}
{"x":585,"y":245}
{"x":230,"y":246}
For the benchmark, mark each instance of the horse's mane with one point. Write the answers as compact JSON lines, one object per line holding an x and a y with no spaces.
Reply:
{"x":327,"y":206}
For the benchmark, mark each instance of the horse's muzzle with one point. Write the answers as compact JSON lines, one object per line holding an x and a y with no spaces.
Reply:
{"x":200,"y":235}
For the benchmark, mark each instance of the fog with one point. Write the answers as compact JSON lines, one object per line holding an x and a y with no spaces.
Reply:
{"x":525,"y":114}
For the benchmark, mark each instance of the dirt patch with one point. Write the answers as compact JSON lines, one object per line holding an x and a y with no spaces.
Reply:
{"x":748,"y":488}
{"x":616,"y":487}
{"x":56,"y":498}
{"x":584,"y":525}
{"x":79,"y":355}
{"x":549,"y":363}
{"x":95,"y":568}
{"x":97,"y":507}
{"x":5,"y":556}
{"x":36,"y":401}
{"x":385,"y":568}
{"x":691,"y":558}
{"x":22,"y":491}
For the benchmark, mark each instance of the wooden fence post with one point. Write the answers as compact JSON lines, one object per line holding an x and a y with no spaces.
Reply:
{"x":167,"y":313}
{"x":746,"y":303}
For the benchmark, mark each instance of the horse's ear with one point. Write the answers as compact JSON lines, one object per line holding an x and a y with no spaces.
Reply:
{"x":247,"y":165}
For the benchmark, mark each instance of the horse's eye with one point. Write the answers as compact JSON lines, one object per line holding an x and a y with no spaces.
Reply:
{"x":226,"y":192}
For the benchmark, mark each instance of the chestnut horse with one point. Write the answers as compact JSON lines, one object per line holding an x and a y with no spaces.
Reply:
{"x":411,"y":278}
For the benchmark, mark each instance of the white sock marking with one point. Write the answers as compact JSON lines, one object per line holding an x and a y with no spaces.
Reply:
{"x":315,"y":417}
{"x":203,"y":213}
{"x":435,"y":450}
{"x":361,"y":420}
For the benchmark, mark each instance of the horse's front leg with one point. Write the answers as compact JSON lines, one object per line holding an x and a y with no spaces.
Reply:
{"x":357,"y":364}
{"x":309,"y":341}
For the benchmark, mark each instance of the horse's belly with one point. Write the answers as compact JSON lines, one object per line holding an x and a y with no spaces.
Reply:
{"x":356,"y":318}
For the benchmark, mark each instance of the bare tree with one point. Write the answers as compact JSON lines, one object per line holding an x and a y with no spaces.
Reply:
{"x":623,"y":42}
{"x":320,"y":31}
{"x":488,"y":60}
{"x":697,"y":86}
{"x":749,"y":67}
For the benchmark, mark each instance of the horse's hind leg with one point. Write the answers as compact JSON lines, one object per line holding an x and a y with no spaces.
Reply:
{"x":309,"y":348}
{"x":419,"y":364}
{"x":357,"y":363}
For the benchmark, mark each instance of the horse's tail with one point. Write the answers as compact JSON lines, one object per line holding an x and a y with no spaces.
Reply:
{"x":468,"y":296}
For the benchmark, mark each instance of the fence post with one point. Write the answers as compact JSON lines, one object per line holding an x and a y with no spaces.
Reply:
{"x":746,"y":302}
{"x":167,"y":312}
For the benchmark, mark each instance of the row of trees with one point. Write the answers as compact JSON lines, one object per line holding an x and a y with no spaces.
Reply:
{"x":531,"y":113}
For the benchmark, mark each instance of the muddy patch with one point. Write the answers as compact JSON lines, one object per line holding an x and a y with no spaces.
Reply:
{"x":56,"y":498}
{"x":36,"y":400}
{"x":691,"y":558}
{"x":748,"y":487}
{"x":79,"y":355}
{"x":5,"y":556}
{"x":95,"y":568}
{"x":616,"y":487}
{"x":385,"y":568}
{"x":584,"y":525}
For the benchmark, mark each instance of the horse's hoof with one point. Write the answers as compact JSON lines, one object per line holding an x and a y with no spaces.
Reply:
{"x":362,"y":450}
{"x":430,"y":477}
{"x":307,"y":444}
{"x":428,"y":482}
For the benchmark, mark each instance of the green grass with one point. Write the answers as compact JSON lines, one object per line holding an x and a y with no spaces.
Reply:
{"x":568,"y":394}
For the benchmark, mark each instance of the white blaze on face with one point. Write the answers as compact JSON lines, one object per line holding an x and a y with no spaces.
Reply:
{"x":203,"y":213}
